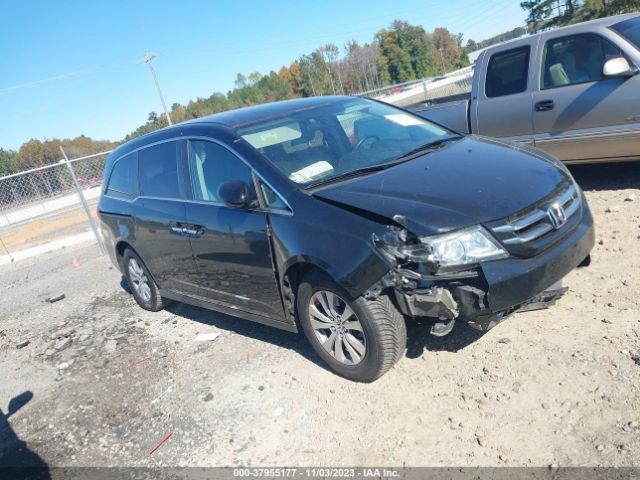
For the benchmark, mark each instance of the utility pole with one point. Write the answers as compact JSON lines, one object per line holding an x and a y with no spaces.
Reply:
{"x":147,"y":58}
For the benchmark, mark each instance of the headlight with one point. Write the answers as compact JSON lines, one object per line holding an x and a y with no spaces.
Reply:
{"x":441,"y":252}
{"x":464,"y":247}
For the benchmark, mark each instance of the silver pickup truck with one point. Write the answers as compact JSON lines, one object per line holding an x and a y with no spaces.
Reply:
{"x":574,"y":92}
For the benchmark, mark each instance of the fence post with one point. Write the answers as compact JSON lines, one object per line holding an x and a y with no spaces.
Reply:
{"x":424,"y":87}
{"x":103,"y":250}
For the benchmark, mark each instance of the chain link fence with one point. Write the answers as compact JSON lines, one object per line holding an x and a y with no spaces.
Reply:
{"x":27,"y":194}
{"x":41,"y":209}
{"x":425,"y":90}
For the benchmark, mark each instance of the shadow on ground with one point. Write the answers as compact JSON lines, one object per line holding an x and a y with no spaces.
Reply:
{"x":17,"y":461}
{"x":246,"y":328}
{"x":607,"y":176}
{"x":419,"y":339}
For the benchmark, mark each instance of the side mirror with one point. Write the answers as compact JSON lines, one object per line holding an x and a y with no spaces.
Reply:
{"x":618,"y":67}
{"x":235,"y":194}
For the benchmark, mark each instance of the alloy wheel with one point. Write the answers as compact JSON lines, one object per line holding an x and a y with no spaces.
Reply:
{"x":139,"y":280}
{"x":337,"y":327}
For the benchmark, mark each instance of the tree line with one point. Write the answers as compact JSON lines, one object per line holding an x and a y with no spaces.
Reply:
{"x":399,"y":53}
{"x":546,"y":14}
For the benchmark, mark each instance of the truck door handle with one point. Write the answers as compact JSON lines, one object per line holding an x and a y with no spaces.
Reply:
{"x":544,"y":105}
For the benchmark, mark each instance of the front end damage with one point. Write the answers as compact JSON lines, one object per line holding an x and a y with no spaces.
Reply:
{"x":426,"y":292}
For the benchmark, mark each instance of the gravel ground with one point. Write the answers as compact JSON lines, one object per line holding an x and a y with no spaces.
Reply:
{"x":102,"y":382}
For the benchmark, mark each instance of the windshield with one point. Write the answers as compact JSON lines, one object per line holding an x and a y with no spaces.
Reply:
{"x":314,"y":145}
{"x":629,"y":29}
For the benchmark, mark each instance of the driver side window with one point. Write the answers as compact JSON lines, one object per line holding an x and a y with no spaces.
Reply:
{"x":211,"y":165}
{"x":576,"y":59}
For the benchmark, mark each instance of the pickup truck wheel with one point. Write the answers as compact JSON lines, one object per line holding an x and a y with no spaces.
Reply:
{"x":143,"y":287}
{"x":359,"y":339}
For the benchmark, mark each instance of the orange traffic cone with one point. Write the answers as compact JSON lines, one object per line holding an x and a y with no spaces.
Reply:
{"x":74,"y":262}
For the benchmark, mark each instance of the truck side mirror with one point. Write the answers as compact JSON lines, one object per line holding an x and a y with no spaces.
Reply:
{"x":235,"y":194}
{"x":618,"y":67}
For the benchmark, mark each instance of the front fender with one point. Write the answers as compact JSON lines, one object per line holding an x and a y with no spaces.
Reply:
{"x":336,"y":241}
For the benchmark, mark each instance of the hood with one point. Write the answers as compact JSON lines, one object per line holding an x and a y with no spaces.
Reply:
{"x":466,"y":182}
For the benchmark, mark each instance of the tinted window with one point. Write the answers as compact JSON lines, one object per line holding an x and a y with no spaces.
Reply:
{"x":576,"y":59}
{"x":211,"y":166}
{"x":272,"y":199}
{"x":158,"y":171}
{"x":124,"y":177}
{"x":507,"y":72}
{"x":629,"y":29}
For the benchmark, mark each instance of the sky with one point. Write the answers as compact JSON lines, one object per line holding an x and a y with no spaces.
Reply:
{"x":76,"y":67}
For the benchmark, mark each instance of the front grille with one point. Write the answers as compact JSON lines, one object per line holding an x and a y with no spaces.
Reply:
{"x":535,"y":229}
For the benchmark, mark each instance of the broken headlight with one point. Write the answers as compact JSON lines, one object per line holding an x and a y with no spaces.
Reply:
{"x":447,"y":251}
{"x":464,"y":247}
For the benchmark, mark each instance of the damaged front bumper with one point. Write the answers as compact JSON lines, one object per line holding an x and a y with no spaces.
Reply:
{"x":485,"y":296}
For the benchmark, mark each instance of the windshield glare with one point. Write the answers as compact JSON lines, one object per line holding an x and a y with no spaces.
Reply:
{"x":332,"y":140}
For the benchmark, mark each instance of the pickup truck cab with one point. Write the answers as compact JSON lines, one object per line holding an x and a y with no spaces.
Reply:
{"x":573,"y":92}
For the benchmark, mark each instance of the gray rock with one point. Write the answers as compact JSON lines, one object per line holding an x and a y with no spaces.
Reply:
{"x":504,"y":340}
{"x":65,"y":365}
{"x":22,"y":344}
{"x":62,"y":344}
{"x":56,"y":298}
{"x":111,"y":345}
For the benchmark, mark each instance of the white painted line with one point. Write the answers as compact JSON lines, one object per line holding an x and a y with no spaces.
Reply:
{"x":48,"y":247}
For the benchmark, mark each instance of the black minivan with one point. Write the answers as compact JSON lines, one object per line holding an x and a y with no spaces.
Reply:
{"x":343,"y":217}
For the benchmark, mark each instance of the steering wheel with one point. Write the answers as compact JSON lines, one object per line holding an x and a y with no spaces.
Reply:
{"x":363,"y":140}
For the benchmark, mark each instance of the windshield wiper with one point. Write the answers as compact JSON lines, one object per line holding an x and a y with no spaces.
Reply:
{"x":426,"y":147}
{"x":354,"y":173}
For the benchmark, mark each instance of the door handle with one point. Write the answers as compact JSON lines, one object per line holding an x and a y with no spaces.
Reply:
{"x":544,"y":106}
{"x":184,"y":230}
{"x":178,"y":229}
{"x":196,"y":231}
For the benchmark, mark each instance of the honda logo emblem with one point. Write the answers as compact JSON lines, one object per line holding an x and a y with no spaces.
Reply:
{"x":557,"y":216}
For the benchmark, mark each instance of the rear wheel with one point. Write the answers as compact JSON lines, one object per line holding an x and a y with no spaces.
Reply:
{"x":143,"y":287}
{"x":359,"y":339}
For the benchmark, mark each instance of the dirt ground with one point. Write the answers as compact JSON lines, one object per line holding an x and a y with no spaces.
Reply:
{"x":102,"y":382}
{"x":56,"y":225}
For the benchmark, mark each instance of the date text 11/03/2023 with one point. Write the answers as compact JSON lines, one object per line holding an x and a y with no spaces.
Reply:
{"x":321,"y":472}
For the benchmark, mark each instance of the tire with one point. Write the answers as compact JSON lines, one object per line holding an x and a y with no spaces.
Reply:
{"x":375,"y":324}
{"x":143,"y":288}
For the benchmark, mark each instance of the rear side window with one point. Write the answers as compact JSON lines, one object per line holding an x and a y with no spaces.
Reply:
{"x":158,"y":171}
{"x":507,"y":72}
{"x":212,"y":165}
{"x":123,"y":182}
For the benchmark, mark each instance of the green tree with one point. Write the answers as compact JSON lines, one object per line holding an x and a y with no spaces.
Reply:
{"x":8,"y":163}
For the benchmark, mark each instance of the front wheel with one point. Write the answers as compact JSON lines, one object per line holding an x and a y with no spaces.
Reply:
{"x":359,"y":339}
